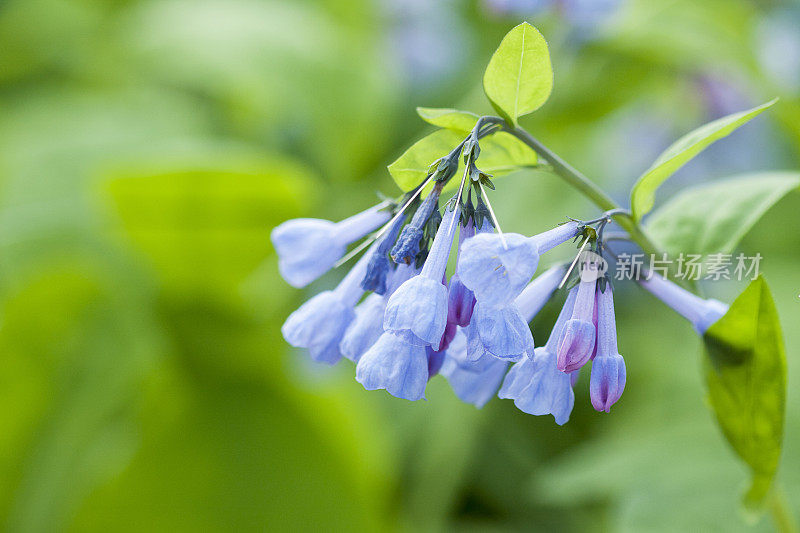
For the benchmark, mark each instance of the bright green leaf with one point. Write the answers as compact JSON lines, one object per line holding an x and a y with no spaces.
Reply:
{"x":519,"y":77}
{"x":713,"y":217}
{"x":451,"y":119}
{"x":683,"y":150}
{"x":501,"y":153}
{"x":746,"y":378}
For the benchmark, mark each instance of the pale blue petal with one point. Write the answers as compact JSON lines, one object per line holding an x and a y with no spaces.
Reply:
{"x":419,"y":306}
{"x":319,"y":325}
{"x":517,"y":379}
{"x":474,"y":386}
{"x":365,"y":329}
{"x":494,"y":272}
{"x":394,"y":365}
{"x":550,"y":390}
{"x":307,"y":248}
{"x":502,"y":331}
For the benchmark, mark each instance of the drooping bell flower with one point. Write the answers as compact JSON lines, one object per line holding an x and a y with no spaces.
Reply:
{"x":419,"y":306}
{"x":536,"y":385}
{"x":502,"y":331}
{"x":497,"y":267}
{"x":700,"y":312}
{"x":367,"y":326}
{"x":576,"y":344}
{"x":608,"y":368}
{"x":309,"y":247}
{"x":406,"y":248}
{"x":395,"y":364}
{"x":320,"y":323}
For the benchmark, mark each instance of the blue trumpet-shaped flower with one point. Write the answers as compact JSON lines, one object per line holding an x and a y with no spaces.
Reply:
{"x":419,"y":306}
{"x":497,"y":267}
{"x":608,"y":368}
{"x":536,"y":385}
{"x":701,"y":313}
{"x":576,"y":345}
{"x":309,"y":247}
{"x":501,"y":332}
{"x":396,"y":365}
{"x":320,"y":323}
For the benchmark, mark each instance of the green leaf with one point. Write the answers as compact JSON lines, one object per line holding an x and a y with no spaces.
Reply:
{"x":451,"y":119}
{"x":519,"y":77}
{"x":501,"y":153}
{"x":713,"y":217}
{"x":681,"y":151}
{"x":746,"y":378}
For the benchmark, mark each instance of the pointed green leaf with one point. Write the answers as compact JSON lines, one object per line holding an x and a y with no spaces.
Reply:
{"x":501,"y":153}
{"x":451,"y":119}
{"x":519,"y":77}
{"x":746,"y":378}
{"x":683,"y":150}
{"x":713,"y":217}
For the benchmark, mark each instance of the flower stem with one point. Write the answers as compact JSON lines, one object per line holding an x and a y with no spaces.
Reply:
{"x":588,"y":188}
{"x":780,"y":511}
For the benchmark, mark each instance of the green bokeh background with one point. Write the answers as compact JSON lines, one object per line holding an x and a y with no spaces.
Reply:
{"x":147,"y":148}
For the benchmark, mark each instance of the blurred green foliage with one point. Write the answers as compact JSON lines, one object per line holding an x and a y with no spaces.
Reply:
{"x":147,"y":148}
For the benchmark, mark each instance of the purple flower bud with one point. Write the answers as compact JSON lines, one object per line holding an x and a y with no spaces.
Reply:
{"x":309,"y":247}
{"x":701,"y":313}
{"x":460,"y":302}
{"x":608,"y":369}
{"x":496,"y":268}
{"x":435,"y":361}
{"x":419,"y":306}
{"x":577,"y":340}
{"x":407,"y":246}
{"x":379,"y":264}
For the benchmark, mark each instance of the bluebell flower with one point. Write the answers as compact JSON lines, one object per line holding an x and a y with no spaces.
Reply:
{"x":321,"y":322}
{"x":536,"y":385}
{"x":473,"y":382}
{"x":608,"y":368}
{"x":501,"y":332}
{"x":700,"y":312}
{"x":406,"y":248}
{"x":576,"y":344}
{"x":396,"y":365}
{"x":497,"y":267}
{"x":309,"y":247}
{"x":419,"y":306}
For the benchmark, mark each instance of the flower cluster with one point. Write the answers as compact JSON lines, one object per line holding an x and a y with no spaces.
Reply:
{"x":473,"y":328}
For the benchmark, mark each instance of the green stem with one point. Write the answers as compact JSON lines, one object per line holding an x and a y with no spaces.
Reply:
{"x":781,"y":514}
{"x":588,"y":188}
